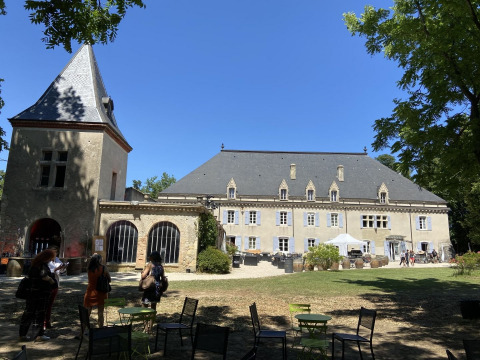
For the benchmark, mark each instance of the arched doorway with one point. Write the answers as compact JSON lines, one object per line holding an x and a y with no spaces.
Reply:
{"x":44,"y":233}
{"x":122,"y":237}
{"x":165,"y":238}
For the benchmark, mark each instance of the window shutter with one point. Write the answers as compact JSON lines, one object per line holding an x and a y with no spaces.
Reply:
{"x":386,"y":248}
{"x":317,"y":241}
{"x":403,"y":246}
{"x":291,"y":245}
{"x":224,"y":217}
{"x":329,"y":220}
{"x":289,"y":218}
{"x":419,"y":246}
{"x":275,"y":244}
{"x":238,"y":242}
{"x":245,"y":243}
{"x":429,"y":223}
{"x":389,"y":223}
{"x":258,"y":217}
{"x":340,"y":220}
{"x":374,"y":221}
{"x":305,"y":245}
{"x":277,"y":218}
{"x":430,"y":246}
{"x":247,"y":217}
{"x":372,"y":247}
{"x":317,"y":219}
{"x":305,"y":219}
{"x":236,"y":217}
{"x":257,"y":243}
{"x":361,"y":221}
{"x":417,"y":222}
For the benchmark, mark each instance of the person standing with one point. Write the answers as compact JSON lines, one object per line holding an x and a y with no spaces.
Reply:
{"x":56,"y":267}
{"x":412,"y":258}
{"x":93,"y":297}
{"x":43,"y":282}
{"x":402,"y":258}
{"x":152,"y":295}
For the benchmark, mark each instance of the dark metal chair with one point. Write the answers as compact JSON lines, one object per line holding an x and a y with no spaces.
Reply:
{"x":251,"y":354}
{"x":187,"y":317}
{"x":366,"y":321}
{"x":266,"y":334}
{"x":472,"y":349}
{"x":450,"y":356}
{"x":211,"y":338}
{"x":22,"y":355}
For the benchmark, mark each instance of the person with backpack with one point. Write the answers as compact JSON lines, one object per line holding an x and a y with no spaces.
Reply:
{"x":152,"y":295}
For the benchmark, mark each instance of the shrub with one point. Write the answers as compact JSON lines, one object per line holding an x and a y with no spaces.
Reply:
{"x":207,"y":231}
{"x":466,"y":264}
{"x":213,"y":261}
{"x":322,"y":256}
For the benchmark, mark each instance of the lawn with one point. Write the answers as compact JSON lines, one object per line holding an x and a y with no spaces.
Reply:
{"x":418,"y":308}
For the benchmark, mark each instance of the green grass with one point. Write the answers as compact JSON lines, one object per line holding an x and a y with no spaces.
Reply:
{"x":439,"y":281}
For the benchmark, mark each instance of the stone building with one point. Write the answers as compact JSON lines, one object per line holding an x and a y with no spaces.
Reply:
{"x":287,"y":201}
{"x":66,"y":175}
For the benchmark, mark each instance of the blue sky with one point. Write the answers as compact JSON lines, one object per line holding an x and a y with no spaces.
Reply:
{"x":187,"y":76}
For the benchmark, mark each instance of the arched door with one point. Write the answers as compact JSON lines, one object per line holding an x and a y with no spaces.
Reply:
{"x":122,"y":237}
{"x":165,"y":238}
{"x":44,"y":233}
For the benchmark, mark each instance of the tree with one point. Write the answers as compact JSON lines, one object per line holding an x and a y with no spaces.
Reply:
{"x":85,"y":21}
{"x":436,"y":129}
{"x":387,"y":160}
{"x":153,"y":186}
{"x":207,"y":231}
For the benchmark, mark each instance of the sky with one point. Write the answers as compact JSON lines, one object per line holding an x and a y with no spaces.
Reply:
{"x":187,"y":76}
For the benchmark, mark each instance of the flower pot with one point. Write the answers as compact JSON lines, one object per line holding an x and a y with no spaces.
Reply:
{"x":359,"y":263}
{"x":335,"y":266}
{"x":374,"y":264}
{"x":346,"y":264}
{"x":309,"y":267}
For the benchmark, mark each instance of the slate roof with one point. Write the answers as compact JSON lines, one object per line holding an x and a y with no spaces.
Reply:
{"x":260,"y":173}
{"x":76,"y":95}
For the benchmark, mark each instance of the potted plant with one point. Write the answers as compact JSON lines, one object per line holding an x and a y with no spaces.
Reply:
{"x":323,"y":256}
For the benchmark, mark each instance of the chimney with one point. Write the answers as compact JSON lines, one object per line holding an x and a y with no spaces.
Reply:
{"x":293,"y":172}
{"x":340,"y":172}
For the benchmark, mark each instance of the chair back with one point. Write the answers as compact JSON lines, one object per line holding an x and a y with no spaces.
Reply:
{"x":22,"y":355}
{"x":113,"y":302}
{"x":450,"y":356}
{"x":298,"y":309}
{"x":110,"y":340}
{"x":472,"y":349}
{"x":315,"y":329}
{"x":366,"y":321}
{"x":84,"y":318}
{"x":211,"y":338}
{"x":189,"y":310}
{"x":146,"y":319}
{"x":255,"y":319}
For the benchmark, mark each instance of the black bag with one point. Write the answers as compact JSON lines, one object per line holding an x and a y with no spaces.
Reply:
{"x":24,"y":288}
{"x":103,"y":284}
{"x":164,"y":285}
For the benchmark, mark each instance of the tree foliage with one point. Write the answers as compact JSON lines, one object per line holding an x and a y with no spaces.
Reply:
{"x":323,"y":256}
{"x":153,"y":186}
{"x":207,"y":231}
{"x":435,"y":129}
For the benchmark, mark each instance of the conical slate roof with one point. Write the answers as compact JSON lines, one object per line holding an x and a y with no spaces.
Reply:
{"x":76,"y":95}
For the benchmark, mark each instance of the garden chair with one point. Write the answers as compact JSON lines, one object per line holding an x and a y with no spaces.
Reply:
{"x":450,"y":356}
{"x":315,"y":344}
{"x":113,"y":303}
{"x":259,"y":333}
{"x":141,"y":337}
{"x":297,"y":309}
{"x":251,"y":354}
{"x":187,"y":317}
{"x":22,"y":355}
{"x":211,"y":338}
{"x":366,"y":321}
{"x":472,"y":349}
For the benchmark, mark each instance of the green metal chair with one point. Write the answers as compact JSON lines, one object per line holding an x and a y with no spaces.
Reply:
{"x":297,"y":309}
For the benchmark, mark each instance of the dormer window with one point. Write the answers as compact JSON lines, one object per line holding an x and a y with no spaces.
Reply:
{"x":333,"y":192}
{"x":383,"y":194}
{"x":283,"y":190}
{"x":310,"y":195}
{"x":310,"y":191}
{"x":333,"y":195}
{"x":231,"y":189}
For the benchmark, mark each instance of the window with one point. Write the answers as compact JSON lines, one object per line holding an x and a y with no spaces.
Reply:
{"x":368,"y":221}
{"x":231,"y":193}
{"x":311,"y":219}
{"x":253,"y":217}
{"x":311,"y":242}
{"x":113,"y":186}
{"x":122,"y":242}
{"x":56,"y":161}
{"x":334,"y":219}
{"x":231,"y":217}
{"x":164,"y":238}
{"x":422,"y":223}
{"x":310,"y":195}
{"x":382,"y":221}
{"x":283,"y":244}
{"x":383,"y":198}
{"x":283,"y":194}
{"x":283,"y":218}
{"x":333,"y":195}
{"x":252,"y":243}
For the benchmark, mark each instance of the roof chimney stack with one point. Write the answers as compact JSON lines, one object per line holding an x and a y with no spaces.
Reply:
{"x":340,"y":172}
{"x":293,"y":171}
